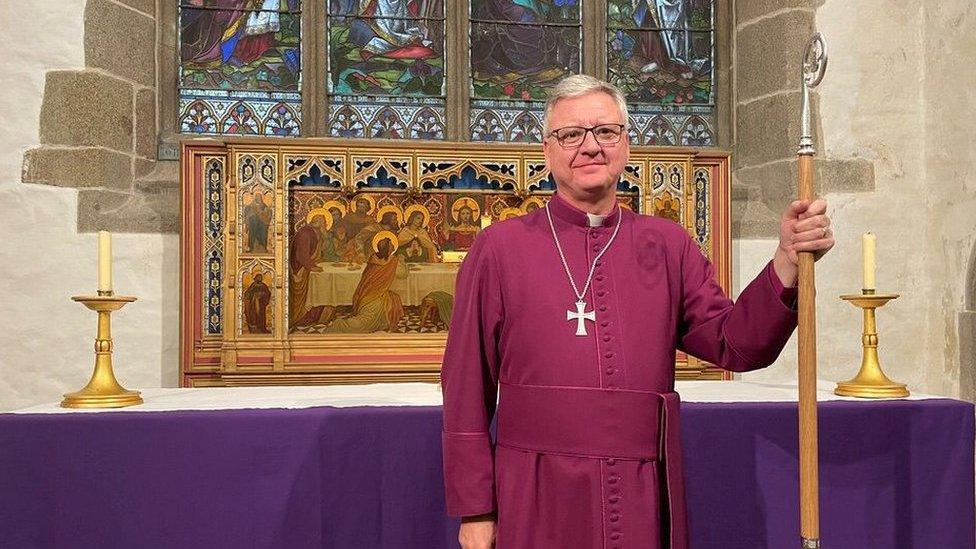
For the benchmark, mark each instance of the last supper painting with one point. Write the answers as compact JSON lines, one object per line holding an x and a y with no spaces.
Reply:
{"x":374,"y":263}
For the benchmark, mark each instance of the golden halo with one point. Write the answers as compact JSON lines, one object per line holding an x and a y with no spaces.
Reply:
{"x":469,"y":202}
{"x":385,"y":235}
{"x":390,"y":208}
{"x":417,"y":208}
{"x":326,"y":214}
{"x":532,"y":200}
{"x":367,"y":198}
{"x":336,"y":204}
{"x":509,"y":212}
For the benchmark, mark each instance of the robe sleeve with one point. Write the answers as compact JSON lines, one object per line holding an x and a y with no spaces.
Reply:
{"x":746,"y":335}
{"x":469,"y":379}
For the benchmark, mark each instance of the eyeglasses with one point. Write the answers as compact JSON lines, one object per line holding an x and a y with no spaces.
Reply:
{"x":573,"y":136}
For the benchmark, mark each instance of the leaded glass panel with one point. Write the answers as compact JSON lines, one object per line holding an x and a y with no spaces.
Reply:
{"x":386,"y":68}
{"x":661,"y":54}
{"x":519,"y":49}
{"x":240,"y":67}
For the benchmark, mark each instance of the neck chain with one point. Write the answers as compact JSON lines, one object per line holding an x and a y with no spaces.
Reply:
{"x":580,"y":315}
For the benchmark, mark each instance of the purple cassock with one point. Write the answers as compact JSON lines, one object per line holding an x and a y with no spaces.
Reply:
{"x":587,"y":450}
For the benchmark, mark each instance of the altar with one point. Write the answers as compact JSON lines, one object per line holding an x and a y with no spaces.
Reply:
{"x":359,"y":466}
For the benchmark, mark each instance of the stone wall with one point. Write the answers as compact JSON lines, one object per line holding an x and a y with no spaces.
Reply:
{"x":896,"y":115}
{"x":47,"y":340}
{"x":950,"y":158}
{"x":770,"y":38}
{"x":967,"y":335}
{"x":98,"y":126}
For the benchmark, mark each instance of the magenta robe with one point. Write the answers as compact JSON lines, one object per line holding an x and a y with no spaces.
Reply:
{"x":587,"y":453}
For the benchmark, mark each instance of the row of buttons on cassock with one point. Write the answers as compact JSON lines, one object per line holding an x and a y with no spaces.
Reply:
{"x":613,"y":499}
{"x":602,"y":291}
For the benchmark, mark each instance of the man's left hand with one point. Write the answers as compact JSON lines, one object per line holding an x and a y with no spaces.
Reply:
{"x":804,"y":227}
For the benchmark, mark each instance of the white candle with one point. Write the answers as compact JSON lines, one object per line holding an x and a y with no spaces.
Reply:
{"x":104,"y":261}
{"x":868,"y":242}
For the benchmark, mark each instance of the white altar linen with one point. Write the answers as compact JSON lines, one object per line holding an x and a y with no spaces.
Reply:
{"x":408,"y":394}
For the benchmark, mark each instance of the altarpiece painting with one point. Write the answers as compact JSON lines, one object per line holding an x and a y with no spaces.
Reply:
{"x":329,"y":261}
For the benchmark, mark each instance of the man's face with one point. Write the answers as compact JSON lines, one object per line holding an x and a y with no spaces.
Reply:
{"x":416,"y":220}
{"x":362,"y":207}
{"x":589,"y":169}
{"x":465,"y":214}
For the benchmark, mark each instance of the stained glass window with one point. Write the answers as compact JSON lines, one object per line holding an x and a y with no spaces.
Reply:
{"x":240,"y":67}
{"x":519,"y":48}
{"x":661,"y":53}
{"x":386,"y":68}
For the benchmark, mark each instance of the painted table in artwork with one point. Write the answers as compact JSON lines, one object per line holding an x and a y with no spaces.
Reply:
{"x":336,"y":283}
{"x":359,"y":467}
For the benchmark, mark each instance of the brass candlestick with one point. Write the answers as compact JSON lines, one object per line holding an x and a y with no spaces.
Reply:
{"x":103,"y":390}
{"x":870,"y":381}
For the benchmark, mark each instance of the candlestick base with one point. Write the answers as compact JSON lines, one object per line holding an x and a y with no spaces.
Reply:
{"x":870,"y":382}
{"x":103,"y":390}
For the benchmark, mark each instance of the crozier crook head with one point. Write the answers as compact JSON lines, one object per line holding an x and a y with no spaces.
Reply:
{"x":814,"y":61}
{"x":814,"y":65}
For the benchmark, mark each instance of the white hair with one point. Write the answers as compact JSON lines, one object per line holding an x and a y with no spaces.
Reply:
{"x":581,"y":84}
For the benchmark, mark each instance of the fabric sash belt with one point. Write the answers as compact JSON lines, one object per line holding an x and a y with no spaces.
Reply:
{"x":599,"y":423}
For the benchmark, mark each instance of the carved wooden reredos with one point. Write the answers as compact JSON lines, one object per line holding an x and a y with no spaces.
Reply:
{"x":332,"y":261}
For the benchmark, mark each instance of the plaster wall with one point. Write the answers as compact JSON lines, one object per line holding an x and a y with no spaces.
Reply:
{"x":46,"y":346}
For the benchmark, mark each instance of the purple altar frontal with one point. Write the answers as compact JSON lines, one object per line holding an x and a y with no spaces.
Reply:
{"x":893,"y":474}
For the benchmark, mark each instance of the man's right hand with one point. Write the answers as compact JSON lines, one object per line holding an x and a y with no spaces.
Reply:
{"x":477,"y":532}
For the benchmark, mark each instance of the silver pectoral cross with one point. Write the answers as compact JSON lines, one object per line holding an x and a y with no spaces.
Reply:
{"x":580,"y":317}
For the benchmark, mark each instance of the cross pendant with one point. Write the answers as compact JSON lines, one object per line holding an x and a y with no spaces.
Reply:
{"x":579,"y":316}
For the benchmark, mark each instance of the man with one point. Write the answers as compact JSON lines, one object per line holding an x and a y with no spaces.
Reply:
{"x":357,"y":218}
{"x":416,"y":228}
{"x":573,"y":313}
{"x":311,"y":244}
{"x":375,"y":307}
{"x":414,"y":252}
{"x":460,"y":235}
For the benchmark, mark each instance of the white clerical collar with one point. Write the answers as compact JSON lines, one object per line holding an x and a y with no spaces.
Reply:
{"x":595,"y":220}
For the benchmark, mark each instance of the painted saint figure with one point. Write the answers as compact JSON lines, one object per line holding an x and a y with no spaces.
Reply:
{"x":460,"y":235}
{"x":374,"y":306}
{"x":414,"y":252}
{"x":257,"y":219}
{"x":358,"y":217}
{"x":306,"y":251}
{"x":255,"y":301}
{"x":416,"y":228}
